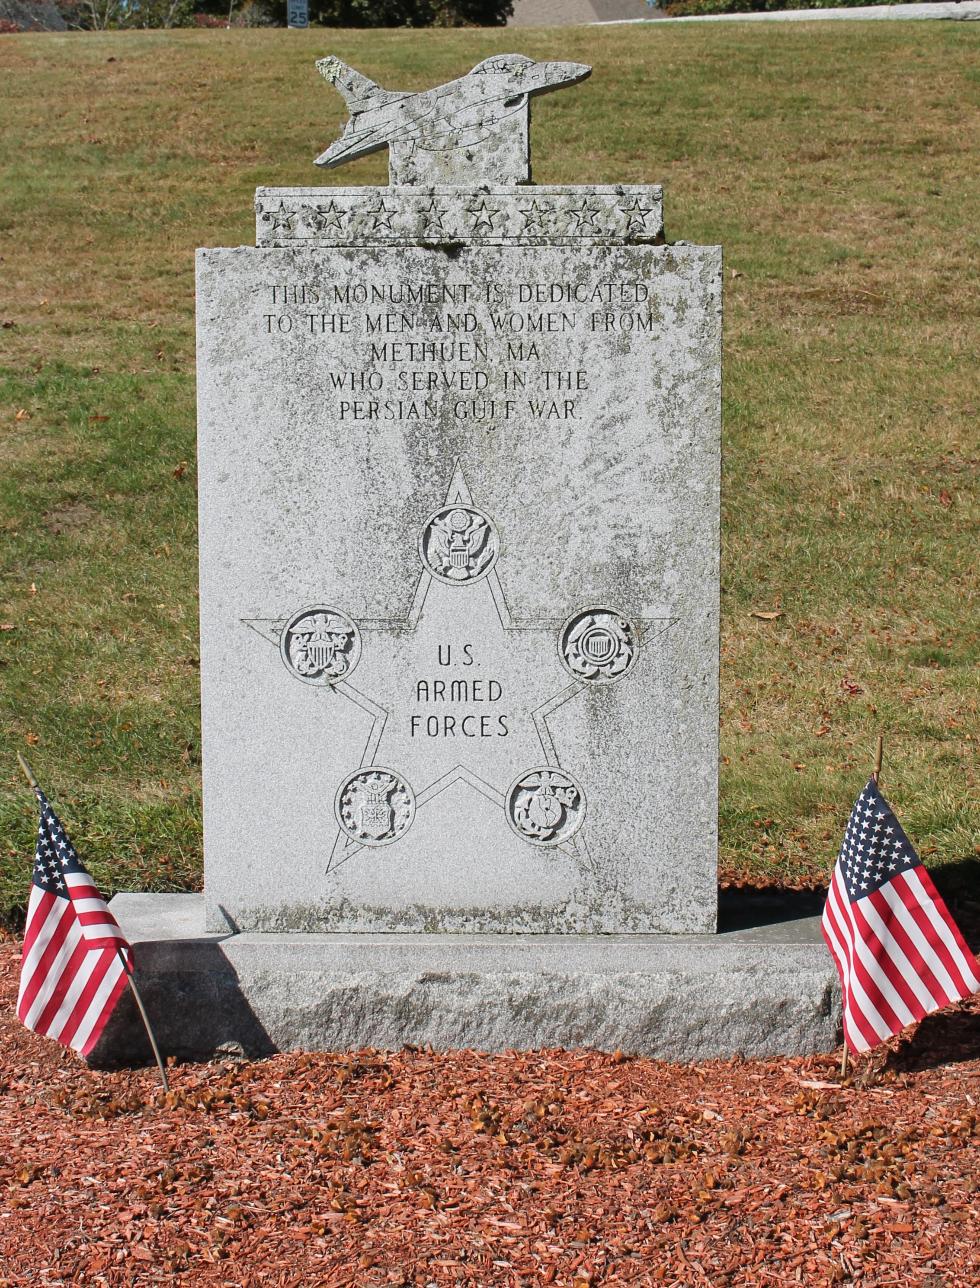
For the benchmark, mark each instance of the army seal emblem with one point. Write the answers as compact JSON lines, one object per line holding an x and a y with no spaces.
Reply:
{"x":459,"y":544}
{"x":545,"y":806}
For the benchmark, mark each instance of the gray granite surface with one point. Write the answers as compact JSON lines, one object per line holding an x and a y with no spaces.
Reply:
{"x":446,"y":216}
{"x":762,"y":990}
{"x":476,"y":127}
{"x":459,"y":471}
{"x":459,"y":530}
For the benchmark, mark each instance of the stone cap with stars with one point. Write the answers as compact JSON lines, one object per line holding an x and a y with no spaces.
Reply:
{"x":574,"y":215}
{"x":875,"y":849}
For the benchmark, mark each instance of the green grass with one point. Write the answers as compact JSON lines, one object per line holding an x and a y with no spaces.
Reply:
{"x":836,"y":164}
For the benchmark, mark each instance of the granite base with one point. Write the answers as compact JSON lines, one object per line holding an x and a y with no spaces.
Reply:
{"x":763,"y":986}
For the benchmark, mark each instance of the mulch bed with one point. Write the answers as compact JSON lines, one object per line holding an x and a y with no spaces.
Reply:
{"x":565,"y":1168}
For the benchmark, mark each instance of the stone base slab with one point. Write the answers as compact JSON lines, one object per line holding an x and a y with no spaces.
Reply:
{"x":759,"y":989}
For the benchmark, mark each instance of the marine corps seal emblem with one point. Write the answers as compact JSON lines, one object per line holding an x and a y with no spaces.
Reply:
{"x":545,"y":806}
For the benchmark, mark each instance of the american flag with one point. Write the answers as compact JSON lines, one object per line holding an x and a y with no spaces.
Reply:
{"x":76,"y":959}
{"x":898,"y":951}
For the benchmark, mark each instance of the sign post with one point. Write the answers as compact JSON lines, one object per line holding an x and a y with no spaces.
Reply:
{"x":298,"y":13}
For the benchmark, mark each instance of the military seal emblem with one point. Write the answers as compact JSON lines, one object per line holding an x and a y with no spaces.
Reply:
{"x":545,"y":806}
{"x":598,"y":645}
{"x":459,"y":544}
{"x":375,"y":806}
{"x":320,"y":645}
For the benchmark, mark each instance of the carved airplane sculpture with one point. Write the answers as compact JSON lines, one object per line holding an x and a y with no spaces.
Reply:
{"x":471,"y":130}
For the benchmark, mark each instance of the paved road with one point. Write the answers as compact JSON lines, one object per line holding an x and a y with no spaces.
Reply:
{"x":964,"y":11}
{"x":575,"y":13}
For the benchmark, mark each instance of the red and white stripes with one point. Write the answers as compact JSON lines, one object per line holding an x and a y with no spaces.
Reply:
{"x":899,"y":954}
{"x":74,"y":964}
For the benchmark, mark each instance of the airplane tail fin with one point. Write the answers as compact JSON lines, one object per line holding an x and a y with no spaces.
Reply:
{"x":359,"y":91}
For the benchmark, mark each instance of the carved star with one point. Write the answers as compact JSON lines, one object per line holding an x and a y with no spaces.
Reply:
{"x":523,"y":657}
{"x":281,"y":220}
{"x":322,"y":218}
{"x":636,"y":216}
{"x":535,"y":216}
{"x":434,"y":216}
{"x":381,"y":217}
{"x":483,"y":216}
{"x":585,"y":218}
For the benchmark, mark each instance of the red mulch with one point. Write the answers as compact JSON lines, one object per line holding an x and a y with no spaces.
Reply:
{"x":565,"y":1168}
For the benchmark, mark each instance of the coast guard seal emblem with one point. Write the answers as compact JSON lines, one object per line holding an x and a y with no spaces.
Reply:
{"x":598,"y":645}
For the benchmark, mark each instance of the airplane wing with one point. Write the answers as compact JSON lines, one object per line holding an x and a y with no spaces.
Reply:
{"x":376,"y":127}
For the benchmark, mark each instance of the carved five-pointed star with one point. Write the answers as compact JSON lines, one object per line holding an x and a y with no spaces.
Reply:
{"x":510,"y":676}
{"x":381,"y":218}
{"x":326,"y":217}
{"x":585,"y":218}
{"x":281,"y":220}
{"x":636,"y":215}
{"x":483,"y":215}
{"x":435,"y":216}
{"x":534,"y":216}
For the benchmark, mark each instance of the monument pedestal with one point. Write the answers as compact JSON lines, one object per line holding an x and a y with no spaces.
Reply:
{"x":459,"y":467}
{"x":761,"y":989}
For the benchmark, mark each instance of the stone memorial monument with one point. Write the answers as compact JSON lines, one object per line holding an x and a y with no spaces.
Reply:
{"x":459,"y":444}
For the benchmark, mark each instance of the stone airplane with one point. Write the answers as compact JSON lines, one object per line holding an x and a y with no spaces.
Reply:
{"x":471,"y":130}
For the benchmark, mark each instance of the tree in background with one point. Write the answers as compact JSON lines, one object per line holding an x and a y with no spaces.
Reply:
{"x":100,"y":15}
{"x":366,"y":13}
{"x":105,"y":15}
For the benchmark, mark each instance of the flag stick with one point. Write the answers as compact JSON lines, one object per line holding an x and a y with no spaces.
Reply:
{"x":28,"y":774}
{"x":146,"y":1021}
{"x":875,"y":775}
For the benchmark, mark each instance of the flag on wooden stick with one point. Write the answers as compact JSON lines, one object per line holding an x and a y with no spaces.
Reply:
{"x":76,"y":959}
{"x":898,"y":951}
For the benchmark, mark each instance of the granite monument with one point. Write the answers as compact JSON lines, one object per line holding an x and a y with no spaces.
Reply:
{"x":459,"y":444}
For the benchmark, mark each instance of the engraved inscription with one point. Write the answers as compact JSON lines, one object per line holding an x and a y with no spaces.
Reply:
{"x":545,"y":806}
{"x":320,"y":645}
{"x":375,"y":806}
{"x":598,"y":645}
{"x":459,"y":544}
{"x":458,"y":707}
{"x":476,"y":352}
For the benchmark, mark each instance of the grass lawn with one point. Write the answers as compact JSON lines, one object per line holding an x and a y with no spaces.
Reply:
{"x":837,"y":164}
